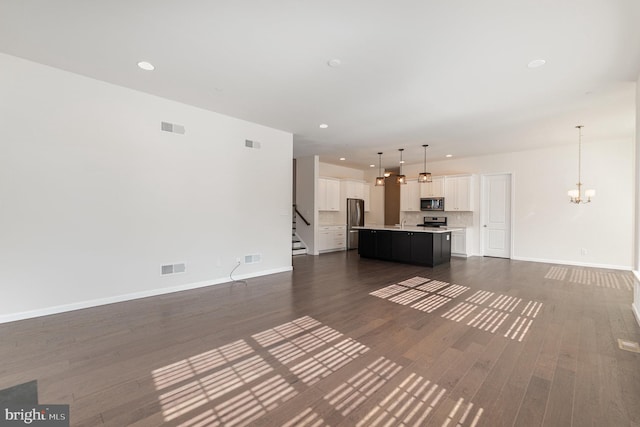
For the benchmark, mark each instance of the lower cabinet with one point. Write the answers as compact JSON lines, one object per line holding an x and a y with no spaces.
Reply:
{"x":332,"y":238}
{"x":374,"y":244}
{"x":406,"y":246}
{"x":459,"y":243}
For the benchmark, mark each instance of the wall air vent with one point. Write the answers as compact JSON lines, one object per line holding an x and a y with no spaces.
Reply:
{"x":173,"y":268}
{"x":252,"y":259}
{"x":172,"y":127}
{"x":251,"y":144}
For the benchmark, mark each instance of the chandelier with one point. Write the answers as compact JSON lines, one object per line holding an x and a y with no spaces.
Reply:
{"x":575,"y":196}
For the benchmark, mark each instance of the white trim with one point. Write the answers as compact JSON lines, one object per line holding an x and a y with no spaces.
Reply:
{"x":635,"y":306}
{"x":579,"y":264}
{"x":128,"y":297}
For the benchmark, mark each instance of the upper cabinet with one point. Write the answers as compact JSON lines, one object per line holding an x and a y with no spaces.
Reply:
{"x":328,"y":194}
{"x":435,"y":188}
{"x":458,"y":193}
{"x":410,"y":196}
{"x":357,"y":190}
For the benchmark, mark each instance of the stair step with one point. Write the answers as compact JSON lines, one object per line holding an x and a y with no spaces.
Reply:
{"x":297,"y":245}
{"x":299,"y":252}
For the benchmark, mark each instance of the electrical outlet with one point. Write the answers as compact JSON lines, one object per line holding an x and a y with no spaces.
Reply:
{"x":238,"y":260}
{"x":583,"y":251}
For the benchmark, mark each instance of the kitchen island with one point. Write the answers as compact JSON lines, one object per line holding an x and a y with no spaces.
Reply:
{"x":428,"y":246}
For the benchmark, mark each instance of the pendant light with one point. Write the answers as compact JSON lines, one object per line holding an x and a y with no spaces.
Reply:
{"x":575,"y":196}
{"x":424,"y":176}
{"x":401,"y":179}
{"x":380,"y":177}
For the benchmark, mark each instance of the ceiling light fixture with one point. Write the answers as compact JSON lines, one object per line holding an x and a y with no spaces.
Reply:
{"x":324,"y":126}
{"x":380,"y":177}
{"x":401,"y":179}
{"x":575,"y":196}
{"x":536,"y":63}
{"x":449,"y":155}
{"x":424,"y":176}
{"x":334,"y":63}
{"x":147,"y":66}
{"x":342,"y":159}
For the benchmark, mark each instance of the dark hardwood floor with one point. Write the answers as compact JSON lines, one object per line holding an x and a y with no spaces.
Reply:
{"x":347,"y":342}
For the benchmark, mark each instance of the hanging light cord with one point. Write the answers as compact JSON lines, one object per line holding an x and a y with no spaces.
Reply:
{"x":425,"y":158}
{"x":579,"y":155}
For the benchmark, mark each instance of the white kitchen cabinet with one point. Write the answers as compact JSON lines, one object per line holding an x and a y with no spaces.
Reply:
{"x":328,"y":194}
{"x":410,"y":196}
{"x":332,"y":238}
{"x":458,"y":193}
{"x":435,"y":188}
{"x":459,"y":243}
{"x":357,"y":190}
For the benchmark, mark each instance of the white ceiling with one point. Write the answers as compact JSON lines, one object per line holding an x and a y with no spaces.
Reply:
{"x":452,"y":74}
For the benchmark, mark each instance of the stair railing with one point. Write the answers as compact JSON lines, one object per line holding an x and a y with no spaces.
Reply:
{"x":295,"y":209}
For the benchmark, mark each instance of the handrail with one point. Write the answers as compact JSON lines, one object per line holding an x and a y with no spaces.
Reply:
{"x":295,"y":208}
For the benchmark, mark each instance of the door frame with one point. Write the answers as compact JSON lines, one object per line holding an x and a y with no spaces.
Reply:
{"x":483,"y":210}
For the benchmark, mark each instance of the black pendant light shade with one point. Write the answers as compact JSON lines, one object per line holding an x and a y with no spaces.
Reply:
{"x":380,"y":177}
{"x":401,"y":179}
{"x":425,"y":176}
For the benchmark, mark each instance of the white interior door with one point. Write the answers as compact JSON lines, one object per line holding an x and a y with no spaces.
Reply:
{"x":496,"y":218}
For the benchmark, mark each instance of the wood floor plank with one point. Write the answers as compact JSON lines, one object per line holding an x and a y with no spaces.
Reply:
{"x":560,"y":403}
{"x":263,"y":354}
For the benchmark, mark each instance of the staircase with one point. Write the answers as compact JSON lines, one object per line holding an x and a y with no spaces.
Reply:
{"x":297,"y":247}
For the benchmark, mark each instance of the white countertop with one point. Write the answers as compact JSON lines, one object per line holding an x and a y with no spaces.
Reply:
{"x":412,"y":228}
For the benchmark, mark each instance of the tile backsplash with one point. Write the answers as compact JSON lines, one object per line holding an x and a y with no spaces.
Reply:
{"x":453,"y":218}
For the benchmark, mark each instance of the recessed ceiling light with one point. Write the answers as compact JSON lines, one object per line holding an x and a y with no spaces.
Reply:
{"x":324,"y":126}
{"x":401,"y":162}
{"x":372,"y":166}
{"x":334,"y":63}
{"x":342,"y":158}
{"x":536,"y":63}
{"x":449,"y":155}
{"x":147,"y":66}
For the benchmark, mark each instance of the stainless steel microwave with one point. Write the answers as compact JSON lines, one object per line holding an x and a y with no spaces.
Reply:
{"x":432,"y":204}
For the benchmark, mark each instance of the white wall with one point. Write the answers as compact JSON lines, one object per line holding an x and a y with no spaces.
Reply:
{"x":95,"y":198}
{"x":342,"y":172}
{"x":546,"y":226}
{"x":636,"y":260}
{"x":306,"y":194}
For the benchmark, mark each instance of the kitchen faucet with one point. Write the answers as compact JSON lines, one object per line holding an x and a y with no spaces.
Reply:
{"x":404,"y":221}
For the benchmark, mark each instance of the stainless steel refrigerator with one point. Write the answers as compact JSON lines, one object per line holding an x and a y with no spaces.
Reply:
{"x":355,"y":217}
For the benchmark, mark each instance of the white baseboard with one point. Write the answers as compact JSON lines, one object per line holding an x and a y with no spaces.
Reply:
{"x":635,"y":307}
{"x":578,"y":264}
{"x":128,"y":297}
{"x":636,"y":311}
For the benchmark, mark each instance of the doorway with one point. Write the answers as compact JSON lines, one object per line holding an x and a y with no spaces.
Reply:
{"x":495,"y":215}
